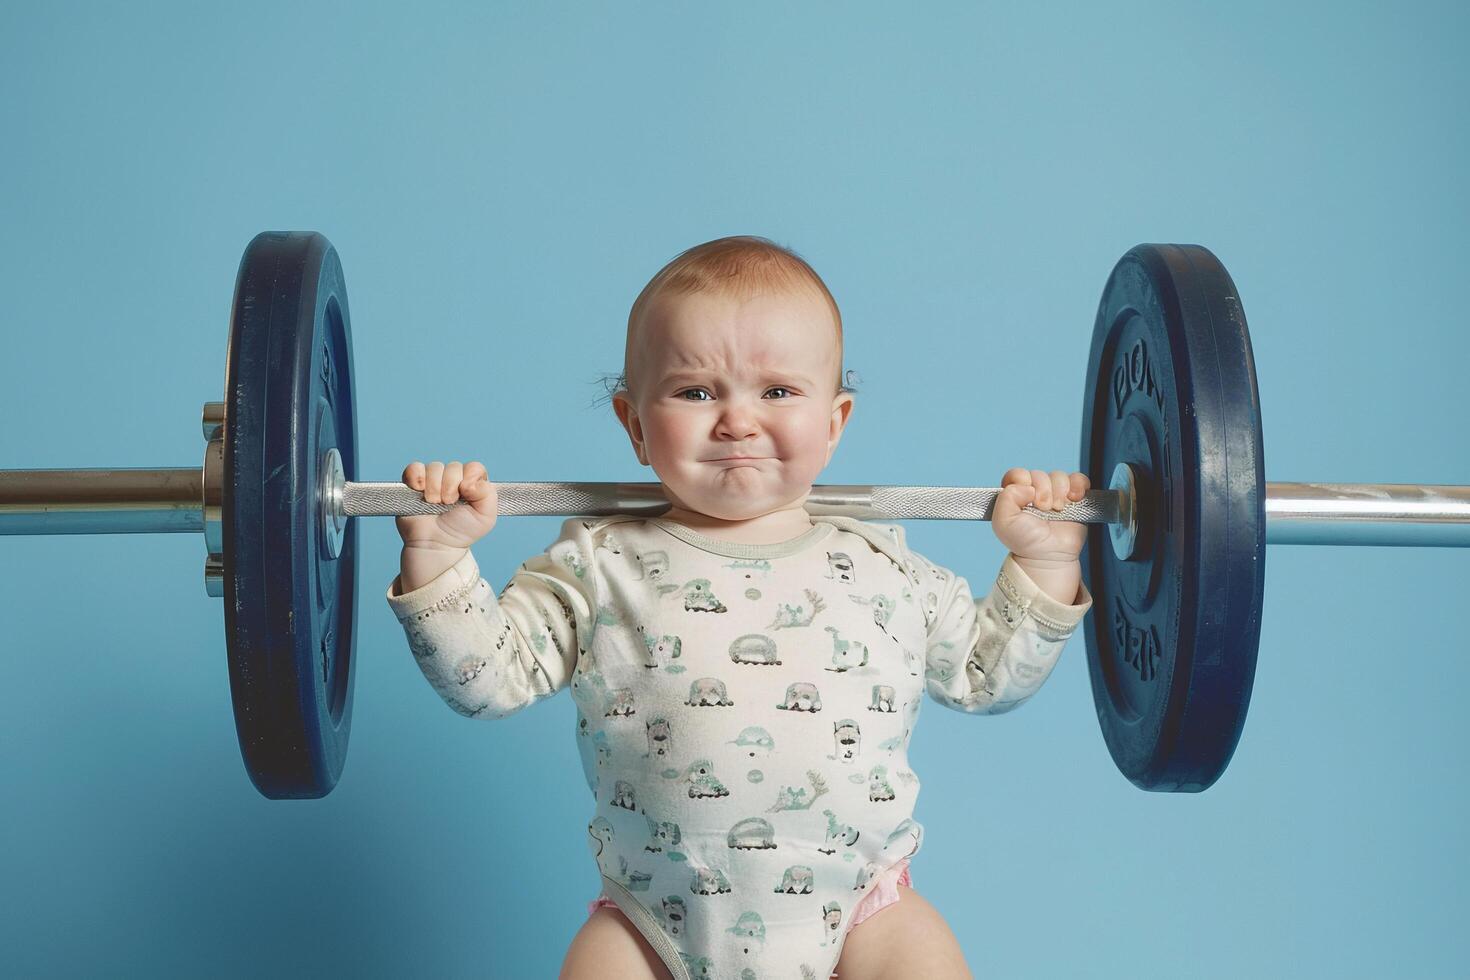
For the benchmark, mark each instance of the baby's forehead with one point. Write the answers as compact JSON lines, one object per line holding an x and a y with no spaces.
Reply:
{"x":727,"y":351}
{"x":773,"y":333}
{"x":788,"y":321}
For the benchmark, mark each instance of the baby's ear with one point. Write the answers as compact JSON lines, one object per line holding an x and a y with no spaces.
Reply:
{"x":842,"y":407}
{"x":622,"y":407}
{"x":628,"y":416}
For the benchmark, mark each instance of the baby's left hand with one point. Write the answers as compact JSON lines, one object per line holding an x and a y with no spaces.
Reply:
{"x":1028,"y":536}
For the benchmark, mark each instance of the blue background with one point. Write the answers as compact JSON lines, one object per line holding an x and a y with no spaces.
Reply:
{"x":500,"y":181}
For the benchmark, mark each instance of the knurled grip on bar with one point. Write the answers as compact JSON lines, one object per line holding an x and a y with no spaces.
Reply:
{"x":647,"y":500}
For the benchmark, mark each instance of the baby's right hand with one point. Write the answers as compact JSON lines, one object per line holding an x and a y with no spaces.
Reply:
{"x":458,"y":527}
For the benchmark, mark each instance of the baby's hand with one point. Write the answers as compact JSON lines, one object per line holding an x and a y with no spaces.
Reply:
{"x":458,"y":527}
{"x":1028,"y":536}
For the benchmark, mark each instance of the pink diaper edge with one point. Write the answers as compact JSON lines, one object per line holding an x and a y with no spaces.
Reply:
{"x":883,"y":894}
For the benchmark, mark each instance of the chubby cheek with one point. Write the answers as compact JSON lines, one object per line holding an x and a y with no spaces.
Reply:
{"x":804,"y":442}
{"x":665,"y":437}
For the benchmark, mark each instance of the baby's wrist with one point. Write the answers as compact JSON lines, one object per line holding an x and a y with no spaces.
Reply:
{"x":419,"y":566}
{"x":1057,"y":577}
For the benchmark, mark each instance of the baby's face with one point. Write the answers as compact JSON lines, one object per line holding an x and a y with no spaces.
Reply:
{"x":718,"y":377}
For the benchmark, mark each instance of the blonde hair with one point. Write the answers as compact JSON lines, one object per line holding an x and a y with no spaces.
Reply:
{"x":740,"y":266}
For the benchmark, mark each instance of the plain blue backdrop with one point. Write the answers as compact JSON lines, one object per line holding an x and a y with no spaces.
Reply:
{"x":500,"y":181}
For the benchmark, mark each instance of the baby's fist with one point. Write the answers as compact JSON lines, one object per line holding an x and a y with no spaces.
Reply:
{"x":450,"y":483}
{"x":1027,"y":536}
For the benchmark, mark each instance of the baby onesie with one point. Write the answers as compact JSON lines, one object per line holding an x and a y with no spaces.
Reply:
{"x":743,"y":711}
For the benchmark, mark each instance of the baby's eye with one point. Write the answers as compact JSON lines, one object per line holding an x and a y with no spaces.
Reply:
{"x":779,"y":388}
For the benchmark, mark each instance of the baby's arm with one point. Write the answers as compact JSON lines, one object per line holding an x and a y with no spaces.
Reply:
{"x":489,"y":657}
{"x":988,"y":656}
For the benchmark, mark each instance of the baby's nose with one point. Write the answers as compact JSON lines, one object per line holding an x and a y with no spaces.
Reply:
{"x":737,"y":421}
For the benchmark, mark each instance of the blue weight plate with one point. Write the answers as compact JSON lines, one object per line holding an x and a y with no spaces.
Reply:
{"x":290,"y":610}
{"x":1172,"y":639}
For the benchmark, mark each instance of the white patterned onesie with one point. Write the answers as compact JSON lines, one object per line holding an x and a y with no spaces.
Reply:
{"x":743,"y":711}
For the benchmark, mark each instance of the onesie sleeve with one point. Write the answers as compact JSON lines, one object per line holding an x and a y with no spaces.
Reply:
{"x":988,"y":655}
{"x":489,"y":657}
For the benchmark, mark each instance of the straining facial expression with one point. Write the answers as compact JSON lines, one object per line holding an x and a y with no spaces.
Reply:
{"x":733,"y":401}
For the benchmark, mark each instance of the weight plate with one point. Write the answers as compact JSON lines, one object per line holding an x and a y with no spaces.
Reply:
{"x":290,"y":609}
{"x":1171,"y":391}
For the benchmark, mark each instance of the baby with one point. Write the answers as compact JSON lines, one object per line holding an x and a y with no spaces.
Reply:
{"x":747,"y":676}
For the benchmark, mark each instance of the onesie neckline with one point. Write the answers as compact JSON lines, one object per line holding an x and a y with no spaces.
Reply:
{"x":735,"y":549}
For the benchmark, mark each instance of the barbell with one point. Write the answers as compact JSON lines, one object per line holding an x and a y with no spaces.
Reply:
{"x":1174,"y":558}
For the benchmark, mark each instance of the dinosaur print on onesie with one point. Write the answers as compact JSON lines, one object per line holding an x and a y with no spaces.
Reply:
{"x":743,"y":712}
{"x":744,"y":719}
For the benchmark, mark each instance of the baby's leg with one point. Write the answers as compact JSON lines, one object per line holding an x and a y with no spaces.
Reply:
{"x":607,"y":945}
{"x":906,"y":939}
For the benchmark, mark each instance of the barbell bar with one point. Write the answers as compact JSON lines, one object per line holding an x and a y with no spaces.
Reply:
{"x":1171,"y":421}
{"x":160,"y":501}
